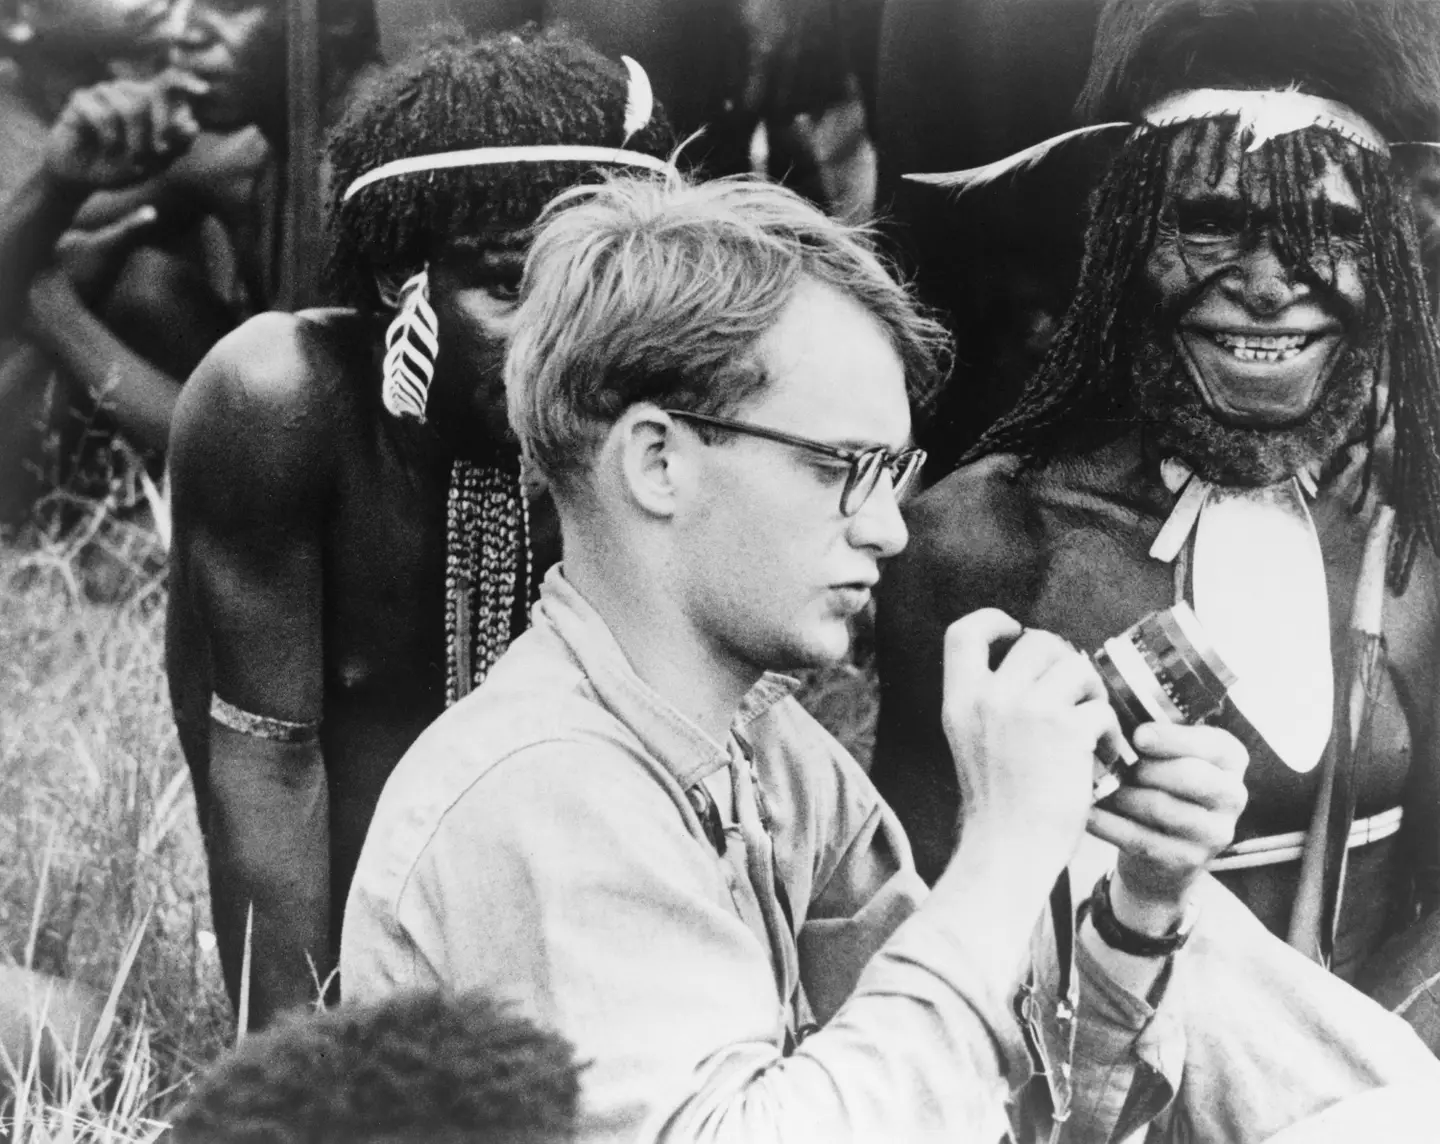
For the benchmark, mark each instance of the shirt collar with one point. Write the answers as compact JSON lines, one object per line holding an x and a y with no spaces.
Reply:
{"x":686,"y":751}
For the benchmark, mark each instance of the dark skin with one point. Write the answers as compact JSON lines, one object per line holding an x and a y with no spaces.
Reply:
{"x":307,"y":584}
{"x":1064,"y":546}
{"x":127,"y":150}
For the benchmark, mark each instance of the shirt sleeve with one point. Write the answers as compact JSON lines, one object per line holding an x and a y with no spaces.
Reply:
{"x":568,"y":882}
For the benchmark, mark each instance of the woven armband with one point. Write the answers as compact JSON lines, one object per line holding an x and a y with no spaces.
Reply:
{"x":261,"y":726}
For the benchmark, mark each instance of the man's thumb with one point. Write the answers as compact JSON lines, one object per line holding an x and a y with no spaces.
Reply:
{"x":128,"y":227}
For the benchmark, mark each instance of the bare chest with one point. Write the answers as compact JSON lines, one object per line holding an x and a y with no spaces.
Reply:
{"x":1097,"y":577}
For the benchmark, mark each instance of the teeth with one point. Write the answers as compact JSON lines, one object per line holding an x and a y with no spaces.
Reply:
{"x":1266,"y":347}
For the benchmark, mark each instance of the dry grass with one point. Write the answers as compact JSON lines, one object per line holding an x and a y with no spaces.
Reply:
{"x":102,"y":876}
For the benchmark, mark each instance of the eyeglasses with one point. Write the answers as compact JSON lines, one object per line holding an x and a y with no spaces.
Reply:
{"x":866,"y":465}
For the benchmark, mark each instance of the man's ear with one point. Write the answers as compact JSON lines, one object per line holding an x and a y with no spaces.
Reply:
{"x":651,"y":469}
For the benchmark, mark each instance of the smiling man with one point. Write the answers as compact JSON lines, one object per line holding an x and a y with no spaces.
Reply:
{"x":1241,"y":404}
{"x":353,"y":546}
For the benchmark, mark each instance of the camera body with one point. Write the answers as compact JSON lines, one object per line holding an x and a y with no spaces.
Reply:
{"x":1161,"y":669}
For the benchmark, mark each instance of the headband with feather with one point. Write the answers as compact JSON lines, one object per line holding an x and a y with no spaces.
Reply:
{"x":1263,"y":115}
{"x":639,"y":109}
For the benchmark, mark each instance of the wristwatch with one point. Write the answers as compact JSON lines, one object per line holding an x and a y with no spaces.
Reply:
{"x":1117,"y":935}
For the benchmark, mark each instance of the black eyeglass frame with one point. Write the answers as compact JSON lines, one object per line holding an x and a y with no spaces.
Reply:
{"x":865,"y":464}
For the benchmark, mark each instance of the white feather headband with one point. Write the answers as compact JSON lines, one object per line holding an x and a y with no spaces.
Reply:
{"x":1263,"y":115}
{"x":639,"y":108}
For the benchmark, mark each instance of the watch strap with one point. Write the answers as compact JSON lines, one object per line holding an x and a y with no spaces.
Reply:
{"x":1118,"y":936}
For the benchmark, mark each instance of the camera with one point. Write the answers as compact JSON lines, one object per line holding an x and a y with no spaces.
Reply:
{"x":1162,"y":669}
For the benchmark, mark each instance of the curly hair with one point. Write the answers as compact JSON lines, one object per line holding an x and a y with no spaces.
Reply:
{"x":658,"y":289}
{"x":530,"y":87}
{"x":416,"y":1066}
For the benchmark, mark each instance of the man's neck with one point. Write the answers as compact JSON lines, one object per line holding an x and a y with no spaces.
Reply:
{"x":659,"y":641}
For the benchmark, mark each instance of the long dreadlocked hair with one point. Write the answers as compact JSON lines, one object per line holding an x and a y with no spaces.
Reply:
{"x":523,"y":88}
{"x":1146,"y":49}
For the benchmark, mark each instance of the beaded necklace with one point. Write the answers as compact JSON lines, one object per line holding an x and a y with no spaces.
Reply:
{"x":488,"y":586}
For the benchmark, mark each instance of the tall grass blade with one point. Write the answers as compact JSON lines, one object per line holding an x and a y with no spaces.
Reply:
{"x":242,"y":1020}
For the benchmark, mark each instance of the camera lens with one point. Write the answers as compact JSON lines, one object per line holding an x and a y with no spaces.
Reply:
{"x":1163,"y":669}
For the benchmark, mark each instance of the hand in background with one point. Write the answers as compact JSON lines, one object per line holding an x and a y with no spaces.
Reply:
{"x":92,"y":258}
{"x":123,"y":131}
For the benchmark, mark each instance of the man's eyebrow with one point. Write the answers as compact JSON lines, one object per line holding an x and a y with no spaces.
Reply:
{"x":859,"y":445}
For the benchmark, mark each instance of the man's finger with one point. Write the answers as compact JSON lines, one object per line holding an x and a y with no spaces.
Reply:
{"x":1139,"y":841}
{"x":967,"y":647}
{"x":1034,"y":653}
{"x":1172,"y":817}
{"x":1195,"y":780}
{"x":93,"y":119}
{"x":138,"y":121}
{"x":162,"y":115}
{"x":176,"y":84}
{"x":1071,"y":678}
{"x":1173,"y":741}
{"x":128,"y":227}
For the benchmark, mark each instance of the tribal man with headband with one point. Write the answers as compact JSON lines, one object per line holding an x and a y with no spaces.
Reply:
{"x":353,"y":543}
{"x":1242,"y":410}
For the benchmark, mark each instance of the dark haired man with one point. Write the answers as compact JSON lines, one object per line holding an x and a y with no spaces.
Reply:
{"x":414,"y":1067}
{"x":353,"y":545}
{"x":1241,"y":400}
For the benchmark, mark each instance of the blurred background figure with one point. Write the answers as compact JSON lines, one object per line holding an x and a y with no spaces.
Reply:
{"x":415,"y":1067}
{"x":125,"y":262}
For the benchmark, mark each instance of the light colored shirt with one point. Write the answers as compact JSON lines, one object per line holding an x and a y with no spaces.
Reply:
{"x":545,"y":840}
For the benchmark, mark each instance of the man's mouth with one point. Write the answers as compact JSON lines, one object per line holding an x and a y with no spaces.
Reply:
{"x":1268,"y":378}
{"x":1263,"y":347}
{"x":852,"y":598}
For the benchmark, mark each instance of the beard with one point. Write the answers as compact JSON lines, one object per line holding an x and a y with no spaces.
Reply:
{"x":1182,"y":424}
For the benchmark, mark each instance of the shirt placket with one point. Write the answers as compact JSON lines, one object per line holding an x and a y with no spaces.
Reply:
{"x":761,"y":875}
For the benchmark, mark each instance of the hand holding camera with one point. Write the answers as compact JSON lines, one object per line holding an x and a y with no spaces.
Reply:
{"x":1026,"y":732}
{"x":1023,"y":733}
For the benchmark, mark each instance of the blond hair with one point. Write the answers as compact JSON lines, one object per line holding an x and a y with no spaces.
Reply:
{"x":658,"y":289}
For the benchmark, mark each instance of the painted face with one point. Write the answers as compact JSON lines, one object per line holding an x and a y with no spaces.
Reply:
{"x":773,"y":570}
{"x":474,"y":287}
{"x":1250,"y":345}
{"x":238,"y":48}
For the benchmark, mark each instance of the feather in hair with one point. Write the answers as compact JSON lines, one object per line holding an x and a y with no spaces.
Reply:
{"x":1025,"y":162}
{"x":639,"y":99}
{"x":410,"y":351}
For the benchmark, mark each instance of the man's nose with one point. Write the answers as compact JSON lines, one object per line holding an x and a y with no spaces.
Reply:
{"x":187,"y":33}
{"x":177,"y":16}
{"x":1264,"y":280}
{"x":879,"y":524}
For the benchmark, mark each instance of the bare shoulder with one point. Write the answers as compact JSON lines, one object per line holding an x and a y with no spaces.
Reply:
{"x":264,"y":414}
{"x":975,"y":529}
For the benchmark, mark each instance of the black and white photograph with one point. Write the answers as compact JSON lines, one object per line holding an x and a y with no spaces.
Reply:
{"x":719,"y":571}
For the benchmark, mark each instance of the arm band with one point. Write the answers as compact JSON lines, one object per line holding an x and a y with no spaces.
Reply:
{"x":262,"y":726}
